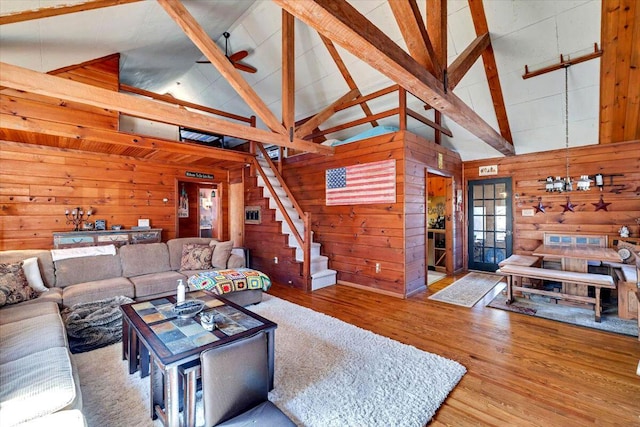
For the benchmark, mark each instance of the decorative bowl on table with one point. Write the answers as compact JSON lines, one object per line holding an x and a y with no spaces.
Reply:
{"x":188,"y":308}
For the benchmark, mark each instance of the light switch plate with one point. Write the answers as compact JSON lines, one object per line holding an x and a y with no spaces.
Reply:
{"x":528,"y":212}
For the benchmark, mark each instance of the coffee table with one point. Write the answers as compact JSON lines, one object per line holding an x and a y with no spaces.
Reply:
{"x":155,"y":336}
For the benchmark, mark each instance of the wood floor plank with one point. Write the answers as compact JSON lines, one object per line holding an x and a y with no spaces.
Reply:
{"x":522,"y":370}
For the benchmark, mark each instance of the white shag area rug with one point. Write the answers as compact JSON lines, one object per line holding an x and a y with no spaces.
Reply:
{"x":468,"y":290}
{"x":328,"y":373}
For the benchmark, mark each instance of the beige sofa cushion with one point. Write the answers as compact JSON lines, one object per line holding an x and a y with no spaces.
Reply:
{"x":44,"y":262}
{"x":221,"y":254}
{"x":97,"y":290}
{"x":144,"y":259}
{"x":35,"y":385}
{"x":156,"y":283}
{"x":87,"y":269}
{"x":19,"y":312}
{"x":27,"y":336}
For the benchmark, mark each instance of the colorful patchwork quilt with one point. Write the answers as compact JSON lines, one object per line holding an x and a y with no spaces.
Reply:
{"x":224,"y":281}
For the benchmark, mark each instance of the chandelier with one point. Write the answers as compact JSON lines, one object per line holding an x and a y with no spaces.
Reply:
{"x":560,"y":184}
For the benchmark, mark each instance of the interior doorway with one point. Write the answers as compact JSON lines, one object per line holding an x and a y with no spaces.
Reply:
{"x":439,"y":238}
{"x":198,"y":211}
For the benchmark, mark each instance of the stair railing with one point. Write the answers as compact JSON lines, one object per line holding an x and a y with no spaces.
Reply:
{"x":304,"y":242}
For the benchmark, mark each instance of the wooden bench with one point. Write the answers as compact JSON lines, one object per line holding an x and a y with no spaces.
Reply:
{"x":597,"y":281}
{"x":521,"y":260}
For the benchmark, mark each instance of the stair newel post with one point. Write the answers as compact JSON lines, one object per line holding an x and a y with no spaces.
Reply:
{"x":306,"y":269}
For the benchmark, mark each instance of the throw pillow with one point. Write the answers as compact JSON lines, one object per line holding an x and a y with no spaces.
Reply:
{"x":196,"y":257}
{"x":14,"y":287}
{"x":630,"y":256}
{"x":32,"y":271}
{"x":221,"y":254}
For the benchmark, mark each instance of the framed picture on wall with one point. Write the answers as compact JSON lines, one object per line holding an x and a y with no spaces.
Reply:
{"x":101,"y":224}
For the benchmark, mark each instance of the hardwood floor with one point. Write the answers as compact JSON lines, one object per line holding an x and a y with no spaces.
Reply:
{"x":521,"y":370}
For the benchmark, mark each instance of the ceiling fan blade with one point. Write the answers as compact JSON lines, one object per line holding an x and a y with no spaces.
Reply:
{"x":238,"y":56}
{"x":203,"y":62}
{"x":245,"y":68}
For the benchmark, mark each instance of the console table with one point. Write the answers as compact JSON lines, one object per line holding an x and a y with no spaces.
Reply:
{"x":75,"y":239}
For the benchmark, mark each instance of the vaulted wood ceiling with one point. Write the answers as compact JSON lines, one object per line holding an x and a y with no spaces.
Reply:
{"x":421,"y":68}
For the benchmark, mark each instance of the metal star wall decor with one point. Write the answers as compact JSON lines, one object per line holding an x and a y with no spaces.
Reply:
{"x":568,"y":206}
{"x":540,"y":207}
{"x":601,"y":205}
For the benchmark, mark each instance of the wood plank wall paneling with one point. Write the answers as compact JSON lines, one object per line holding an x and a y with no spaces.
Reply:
{"x":38,"y":183}
{"x":526,"y":170}
{"x":421,"y":161}
{"x":356,"y":237}
{"x":620,"y":71}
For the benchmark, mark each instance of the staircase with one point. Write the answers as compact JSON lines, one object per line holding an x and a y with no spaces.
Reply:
{"x":321,"y":275}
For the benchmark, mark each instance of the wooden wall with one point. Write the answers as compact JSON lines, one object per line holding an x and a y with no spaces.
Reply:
{"x":421,"y":161}
{"x":355,"y":238}
{"x":38,"y":183}
{"x":526,"y":170}
{"x":620,"y":71}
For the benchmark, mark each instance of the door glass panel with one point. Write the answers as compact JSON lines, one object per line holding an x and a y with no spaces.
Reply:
{"x":489,"y":191}
{"x":489,"y":207}
{"x":477,"y":192}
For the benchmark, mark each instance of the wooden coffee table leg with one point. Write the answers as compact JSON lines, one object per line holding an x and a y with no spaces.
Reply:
{"x":156,"y":392}
{"x":144,"y":360}
{"x":133,"y":352}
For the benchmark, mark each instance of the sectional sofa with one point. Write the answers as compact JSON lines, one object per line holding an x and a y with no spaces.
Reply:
{"x":35,"y":362}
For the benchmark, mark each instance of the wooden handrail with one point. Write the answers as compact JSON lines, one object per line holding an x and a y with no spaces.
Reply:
{"x":353,"y":123}
{"x":285,"y":214}
{"x":281,"y":181}
{"x":306,"y":266}
{"x":171,"y":100}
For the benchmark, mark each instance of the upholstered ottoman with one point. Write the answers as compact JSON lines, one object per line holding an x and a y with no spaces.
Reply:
{"x":244,"y":286}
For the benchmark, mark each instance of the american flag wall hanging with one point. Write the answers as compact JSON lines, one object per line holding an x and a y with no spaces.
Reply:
{"x":362,"y":184}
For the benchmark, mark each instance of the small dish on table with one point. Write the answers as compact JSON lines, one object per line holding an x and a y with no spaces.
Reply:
{"x":188,"y":308}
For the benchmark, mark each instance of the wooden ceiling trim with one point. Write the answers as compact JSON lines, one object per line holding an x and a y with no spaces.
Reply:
{"x":122,"y":139}
{"x":199,"y":37}
{"x":324,"y":115}
{"x":382,"y":115}
{"x":491,"y":70}
{"x":175,"y":101}
{"x":461,"y":65}
{"x":288,"y":71}
{"x":619,"y":71}
{"x":31,"y":81}
{"x":415,"y":35}
{"x":48,"y":12}
{"x":344,"y":25}
{"x":430,"y":123}
{"x":348,"y":78}
{"x":365,"y":98}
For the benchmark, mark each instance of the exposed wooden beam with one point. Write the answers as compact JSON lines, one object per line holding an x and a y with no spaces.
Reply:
{"x":199,"y":37}
{"x":459,"y":67}
{"x":323,"y":115}
{"x":491,"y":70}
{"x":563,"y":63}
{"x":288,"y":71}
{"x":48,"y":12}
{"x":108,"y":136}
{"x":437,"y":29}
{"x":348,"y":78}
{"x":43,"y":84}
{"x":171,"y":100}
{"x":346,"y":26}
{"x":365,"y":98}
{"x":415,"y":35}
{"x":382,"y":115}
{"x":430,"y":123}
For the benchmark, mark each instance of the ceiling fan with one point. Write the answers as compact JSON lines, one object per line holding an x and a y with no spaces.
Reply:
{"x":234,"y":57}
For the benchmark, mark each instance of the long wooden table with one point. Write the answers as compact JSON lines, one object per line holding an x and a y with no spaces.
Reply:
{"x":576,"y":258}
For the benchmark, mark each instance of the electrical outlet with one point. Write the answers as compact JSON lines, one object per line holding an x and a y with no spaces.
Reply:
{"x":378,"y":267}
{"x":275,"y":259}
